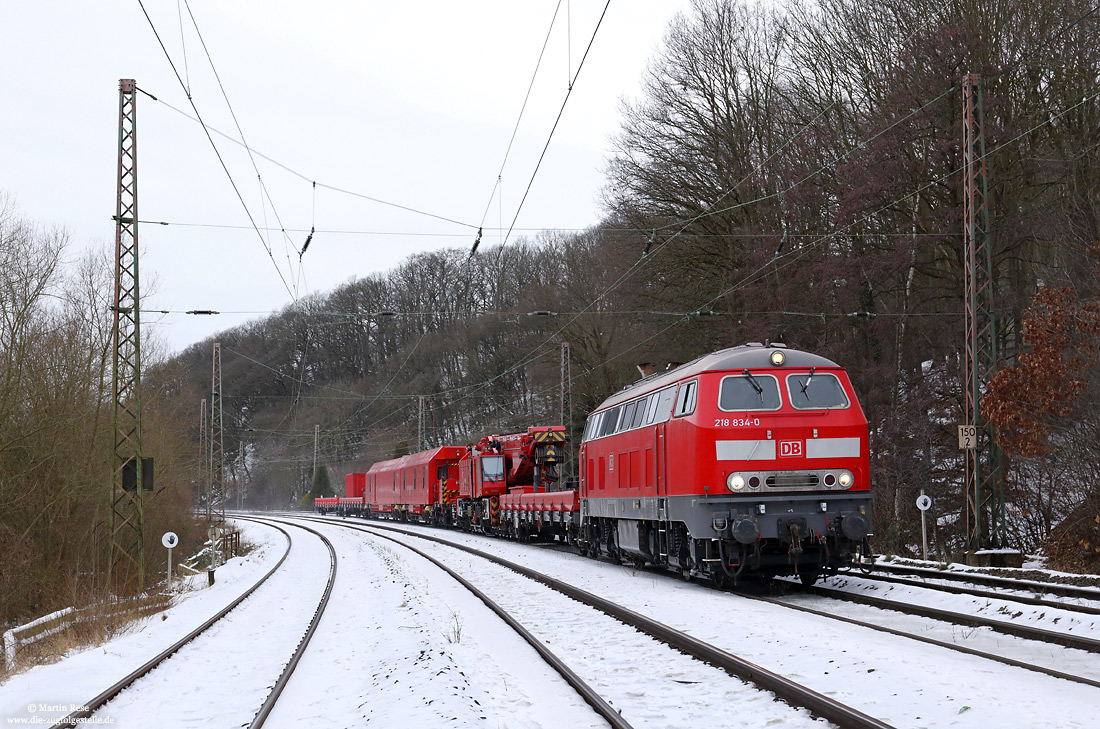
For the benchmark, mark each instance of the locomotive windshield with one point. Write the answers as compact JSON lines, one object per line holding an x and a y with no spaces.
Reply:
{"x":748,"y":392}
{"x":492,"y":468}
{"x":816,"y":390}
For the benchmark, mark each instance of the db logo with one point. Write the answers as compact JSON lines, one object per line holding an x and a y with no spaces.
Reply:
{"x":790,"y":448}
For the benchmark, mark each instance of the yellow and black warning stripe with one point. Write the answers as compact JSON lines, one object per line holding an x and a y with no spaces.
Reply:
{"x":550,"y":436}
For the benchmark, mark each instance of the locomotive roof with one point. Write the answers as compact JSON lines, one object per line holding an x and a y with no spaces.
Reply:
{"x":745,"y":356}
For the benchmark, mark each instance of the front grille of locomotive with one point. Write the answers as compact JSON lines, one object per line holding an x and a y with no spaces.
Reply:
{"x":745,"y":482}
{"x":793,"y":480}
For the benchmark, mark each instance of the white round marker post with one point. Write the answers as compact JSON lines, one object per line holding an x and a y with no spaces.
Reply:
{"x":169,"y":540}
{"x":924,"y":502}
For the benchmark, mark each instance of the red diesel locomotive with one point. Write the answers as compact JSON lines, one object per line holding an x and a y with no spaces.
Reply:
{"x":751,"y":460}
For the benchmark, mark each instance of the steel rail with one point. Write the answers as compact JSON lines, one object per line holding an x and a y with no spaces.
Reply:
{"x":590,"y":696}
{"x":789,"y":691}
{"x":284,"y":678}
{"x":79,"y":717}
{"x":924,"y":639}
{"x":1011,"y":583}
{"x":1019,"y":631}
{"x":932,"y":641}
{"x":1054,"y":673}
{"x":957,"y":590}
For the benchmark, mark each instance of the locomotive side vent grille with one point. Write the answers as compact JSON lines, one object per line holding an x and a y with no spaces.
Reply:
{"x":792,"y":481}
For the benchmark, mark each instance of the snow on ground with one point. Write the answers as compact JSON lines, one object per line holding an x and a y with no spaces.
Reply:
{"x":403,"y":645}
{"x":651,"y":684}
{"x":85,"y":674}
{"x":1031,"y":588}
{"x":894,"y":679}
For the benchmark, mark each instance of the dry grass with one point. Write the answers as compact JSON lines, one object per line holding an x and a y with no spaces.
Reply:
{"x":98,"y":622}
{"x":93,"y":625}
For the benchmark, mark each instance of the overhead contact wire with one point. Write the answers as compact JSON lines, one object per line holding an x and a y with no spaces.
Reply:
{"x":217,"y":152}
{"x":637,"y":265}
{"x":553,"y":129}
{"x":264,"y":193}
{"x":306,"y":178}
{"x":523,"y":107}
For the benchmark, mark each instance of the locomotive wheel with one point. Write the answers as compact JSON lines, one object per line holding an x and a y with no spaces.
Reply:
{"x":809,"y":577}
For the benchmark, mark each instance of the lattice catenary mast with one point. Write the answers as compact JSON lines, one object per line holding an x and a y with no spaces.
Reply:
{"x":126,"y":551}
{"x":567,"y":403}
{"x":215,"y":510}
{"x":984,"y":469}
{"x":202,"y":497}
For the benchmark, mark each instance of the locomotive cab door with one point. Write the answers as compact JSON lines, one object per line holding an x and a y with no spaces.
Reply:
{"x":660,"y":458}
{"x":585,"y":471}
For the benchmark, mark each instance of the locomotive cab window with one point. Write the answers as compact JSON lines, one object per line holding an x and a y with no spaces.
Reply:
{"x":816,"y":391}
{"x":492,"y":468}
{"x":685,"y":400}
{"x":748,"y":391}
{"x":593,"y":430}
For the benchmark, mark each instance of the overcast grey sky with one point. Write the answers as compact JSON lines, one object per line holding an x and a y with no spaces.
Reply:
{"x":410,"y":102}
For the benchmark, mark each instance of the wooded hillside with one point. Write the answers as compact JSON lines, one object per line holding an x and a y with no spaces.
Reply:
{"x":790,"y":173}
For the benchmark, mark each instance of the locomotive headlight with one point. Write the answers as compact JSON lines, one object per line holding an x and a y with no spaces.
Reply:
{"x":778,"y":358}
{"x":735,"y":482}
{"x":846,"y":479}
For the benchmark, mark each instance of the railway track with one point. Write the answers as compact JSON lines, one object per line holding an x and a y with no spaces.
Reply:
{"x":1006,"y":660}
{"x":1001,"y":626}
{"x":957,"y":618}
{"x":91,"y":707}
{"x":1019,"y":631}
{"x":590,"y":695}
{"x":791,"y":692}
{"x":971,"y":579}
